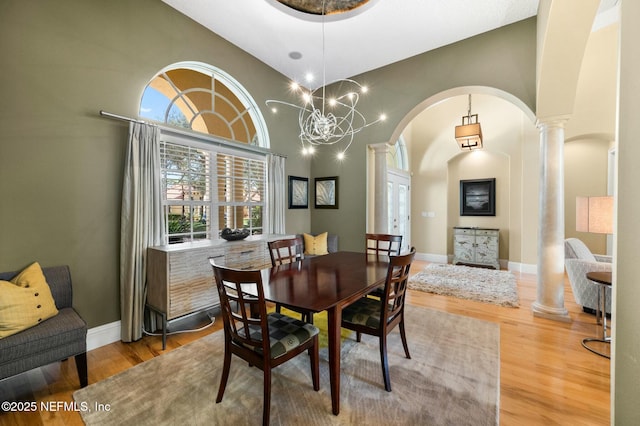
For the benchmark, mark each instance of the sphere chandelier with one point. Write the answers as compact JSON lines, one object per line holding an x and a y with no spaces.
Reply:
{"x":327,"y":120}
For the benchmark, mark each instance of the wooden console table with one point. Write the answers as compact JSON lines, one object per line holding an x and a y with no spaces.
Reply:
{"x":179,"y":276}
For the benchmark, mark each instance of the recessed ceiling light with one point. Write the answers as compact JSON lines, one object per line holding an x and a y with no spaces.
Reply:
{"x":295,"y":55}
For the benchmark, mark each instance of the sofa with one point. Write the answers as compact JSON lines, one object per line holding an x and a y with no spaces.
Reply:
{"x":54,"y":339}
{"x":579,"y":260}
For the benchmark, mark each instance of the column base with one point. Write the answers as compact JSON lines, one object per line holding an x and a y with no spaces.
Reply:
{"x":555,"y":314}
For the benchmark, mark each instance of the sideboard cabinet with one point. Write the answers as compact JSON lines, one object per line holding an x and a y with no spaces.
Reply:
{"x":180,"y":279}
{"x":476,"y":246}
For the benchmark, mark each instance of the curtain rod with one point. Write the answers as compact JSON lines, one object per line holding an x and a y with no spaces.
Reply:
{"x":123,"y":118}
{"x":135,"y":120}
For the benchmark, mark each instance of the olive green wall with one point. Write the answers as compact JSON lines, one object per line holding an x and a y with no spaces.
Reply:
{"x":61,"y":164}
{"x":503,"y":59}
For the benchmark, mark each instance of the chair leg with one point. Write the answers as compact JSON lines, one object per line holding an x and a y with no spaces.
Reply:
{"x":225,"y":372}
{"x":403,"y":335}
{"x":278,"y":307}
{"x":266,"y":408}
{"x":81,"y":366}
{"x":384,"y":362}
{"x":358,"y":336}
{"x":315,"y":367}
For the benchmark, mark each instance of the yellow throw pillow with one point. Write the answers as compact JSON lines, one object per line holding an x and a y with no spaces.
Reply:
{"x":25,"y":301}
{"x":315,"y":245}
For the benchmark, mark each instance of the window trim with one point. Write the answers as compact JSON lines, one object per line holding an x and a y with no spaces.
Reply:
{"x":215,"y":145}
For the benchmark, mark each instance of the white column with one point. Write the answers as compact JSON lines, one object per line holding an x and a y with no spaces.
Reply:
{"x":550,"y":287}
{"x":381,"y":212}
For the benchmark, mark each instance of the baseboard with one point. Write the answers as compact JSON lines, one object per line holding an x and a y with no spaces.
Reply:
{"x":504,"y":264}
{"x":103,"y":335}
{"x":523,"y":268}
{"x":435,"y":258}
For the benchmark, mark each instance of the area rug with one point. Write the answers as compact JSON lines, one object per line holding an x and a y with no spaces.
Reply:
{"x":466,"y":282}
{"x":452,"y":378}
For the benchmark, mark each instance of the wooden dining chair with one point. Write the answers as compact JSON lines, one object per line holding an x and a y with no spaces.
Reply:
{"x":288,"y":251}
{"x":377,"y":317}
{"x":382,"y":245}
{"x":263,"y":340}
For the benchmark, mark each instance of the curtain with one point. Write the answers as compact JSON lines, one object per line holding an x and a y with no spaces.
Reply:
{"x":276,"y":194}
{"x":142,"y":223}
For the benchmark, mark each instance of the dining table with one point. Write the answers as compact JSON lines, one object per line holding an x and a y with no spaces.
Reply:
{"x":326,"y":283}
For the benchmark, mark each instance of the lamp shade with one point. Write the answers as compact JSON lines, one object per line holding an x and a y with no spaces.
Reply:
{"x":594,"y":214}
{"x":469,"y":136}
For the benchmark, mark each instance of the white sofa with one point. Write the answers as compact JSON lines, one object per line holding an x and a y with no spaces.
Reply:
{"x":579,"y":260}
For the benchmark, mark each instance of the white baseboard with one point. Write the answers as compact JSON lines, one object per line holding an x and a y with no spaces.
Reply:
{"x":435,"y":258}
{"x":103,"y":335}
{"x":511,"y":266}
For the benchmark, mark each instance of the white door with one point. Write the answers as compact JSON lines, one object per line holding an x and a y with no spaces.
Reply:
{"x":399,"y":205}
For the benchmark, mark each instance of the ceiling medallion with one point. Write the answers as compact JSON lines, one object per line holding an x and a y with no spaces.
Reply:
{"x":314,"y":7}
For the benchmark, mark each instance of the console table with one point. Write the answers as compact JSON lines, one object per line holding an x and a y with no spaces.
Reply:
{"x":179,"y":276}
{"x":476,"y":246}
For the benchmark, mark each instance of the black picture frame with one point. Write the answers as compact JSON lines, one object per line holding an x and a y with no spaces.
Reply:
{"x":298,"y":192}
{"x":478,"y":197}
{"x":326,"y":192}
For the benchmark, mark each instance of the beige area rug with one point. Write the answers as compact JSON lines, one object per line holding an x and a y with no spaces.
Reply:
{"x":467,"y":282}
{"x":452,"y":379}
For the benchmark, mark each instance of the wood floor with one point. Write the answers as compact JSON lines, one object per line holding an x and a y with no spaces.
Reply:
{"x":547,"y":377}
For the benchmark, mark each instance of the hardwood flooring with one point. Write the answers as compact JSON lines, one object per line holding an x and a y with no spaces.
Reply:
{"x":547,"y":377}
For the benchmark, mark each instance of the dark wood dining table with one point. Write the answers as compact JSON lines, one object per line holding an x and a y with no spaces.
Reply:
{"x":326,"y":283}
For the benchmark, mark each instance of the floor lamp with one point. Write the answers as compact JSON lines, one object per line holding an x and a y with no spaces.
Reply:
{"x":594,"y":214}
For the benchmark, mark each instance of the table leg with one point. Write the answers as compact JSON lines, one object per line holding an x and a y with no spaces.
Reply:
{"x":603,"y":310}
{"x":334,"y":317}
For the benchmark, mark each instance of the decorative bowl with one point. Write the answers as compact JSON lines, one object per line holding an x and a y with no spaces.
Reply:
{"x":235,"y":234}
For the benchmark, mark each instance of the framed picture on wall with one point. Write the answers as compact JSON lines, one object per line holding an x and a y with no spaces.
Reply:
{"x":478,"y":197}
{"x":326,"y":193}
{"x":298,"y":192}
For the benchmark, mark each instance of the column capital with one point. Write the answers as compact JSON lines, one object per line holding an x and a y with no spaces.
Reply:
{"x":558,"y":121}
{"x":380,"y":148}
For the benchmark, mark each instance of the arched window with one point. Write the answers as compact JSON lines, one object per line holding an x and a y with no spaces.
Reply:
{"x":208,"y":183}
{"x":397,"y":155}
{"x":203,"y":98}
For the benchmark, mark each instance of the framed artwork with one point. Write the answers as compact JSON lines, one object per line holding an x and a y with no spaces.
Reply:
{"x":478,"y":197}
{"x":298,"y":192}
{"x":326,"y":193}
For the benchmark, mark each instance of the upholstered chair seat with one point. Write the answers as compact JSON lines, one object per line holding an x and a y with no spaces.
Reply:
{"x":285,"y":334}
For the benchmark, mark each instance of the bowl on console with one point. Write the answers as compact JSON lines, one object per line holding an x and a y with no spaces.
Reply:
{"x":234,"y":234}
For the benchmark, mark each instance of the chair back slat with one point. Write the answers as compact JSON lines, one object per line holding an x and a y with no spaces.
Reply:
{"x":286,"y":251}
{"x":396,"y":284}
{"x":251,"y":314}
{"x":383,"y":244}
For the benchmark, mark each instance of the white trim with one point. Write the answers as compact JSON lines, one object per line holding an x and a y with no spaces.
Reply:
{"x":435,"y":258}
{"x":523,"y":268}
{"x":103,"y":335}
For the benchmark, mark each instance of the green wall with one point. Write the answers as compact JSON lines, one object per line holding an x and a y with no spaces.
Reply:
{"x":61,"y":163}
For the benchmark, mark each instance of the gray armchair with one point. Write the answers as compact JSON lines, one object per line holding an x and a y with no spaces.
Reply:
{"x":579,"y":260}
{"x":55,"y":339}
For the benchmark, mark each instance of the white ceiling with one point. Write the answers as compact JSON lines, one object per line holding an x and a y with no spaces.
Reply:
{"x":377,"y":34}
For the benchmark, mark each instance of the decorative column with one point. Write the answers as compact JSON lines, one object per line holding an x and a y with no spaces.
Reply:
{"x":381,"y":211}
{"x":550,"y":287}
